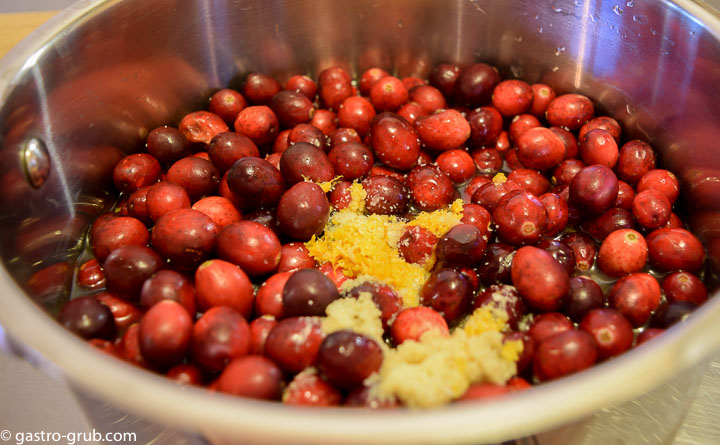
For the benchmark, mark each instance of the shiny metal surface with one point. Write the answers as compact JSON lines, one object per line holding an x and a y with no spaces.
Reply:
{"x":93,"y":82}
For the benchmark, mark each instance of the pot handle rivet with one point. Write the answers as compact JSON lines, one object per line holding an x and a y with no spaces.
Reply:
{"x":36,"y":161}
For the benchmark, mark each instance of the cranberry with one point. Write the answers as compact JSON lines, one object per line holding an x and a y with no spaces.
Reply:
{"x":356,"y":113}
{"x":566,"y":170}
{"x":127,"y":268}
{"x":266,"y":217}
{"x":530,"y":180}
{"x":340,"y":196}
{"x":291,"y":108}
{"x":636,"y":158}
{"x":622,"y":252}
{"x":584,"y":295}
{"x":570,"y":111}
{"x":395,"y":141}
{"x":520,"y":218}
{"x":635,"y":296}
{"x":259,"y":330}
{"x":486,"y":125}
{"x":202,"y":126}
{"x":308,"y":134}
{"x":512,"y":97}
{"x":184,"y":237}
{"x":522,"y":123}
{"x":335,"y":274}
{"x":168,"y":285}
{"x":308,"y":292}
{"x":542,"y":96}
{"x":221,"y":210}
{"x":443,"y":77}
{"x":668,"y":314}
{"x":411,"y":323}
{"x":539,"y":278}
{"x":488,"y":195}
{"x":130,"y":346}
{"x":430,"y":188}
{"x":386,"y":299}
{"x":483,"y":391}
{"x":594,"y":189}
{"x":219,"y":336}
{"x":88,"y":318}
{"x":416,"y":244}
{"x":303,"y":211}
{"x":351,"y":160}
{"x":584,"y":249}
{"x":378,"y":170}
{"x":135,"y":171}
{"x":341,"y":135}
{"x":197,"y":176}
{"x":294,"y":256}
{"x":612,"y":333}
{"x":250,"y":245}
{"x":496,"y":263}
{"x":137,"y":205}
{"x":625,"y":195}
{"x":562,"y":253}
{"x":164,"y":334}
{"x":256,"y":182}
{"x":475,"y":183}
{"x":443,"y":130}
{"x":648,"y":334}
{"x":675,"y":249}
{"x":220,"y":283}
{"x":294,"y":342}
{"x":557,"y":213}
{"x":474,"y":85}
{"x":302,"y":84}
{"x":385,"y":195}
{"x":90,"y":274}
{"x":388,"y":94}
{"x":167,"y":145}
{"x":505,"y":298}
{"x":334,"y":87}
{"x":599,"y":147}
{"x":661,"y":180}
{"x":563,"y":354}
{"x":479,"y":217}
{"x":604,"y":123}
{"x":411,"y":112}
{"x":226,"y":148}
{"x":118,"y":232}
{"x":457,"y":164}
{"x":251,"y":376}
{"x":305,"y":161}
{"x":651,"y":208}
{"x":462,"y":245}
{"x":428,"y":97}
{"x":448,"y":292}
{"x":268,"y":300}
{"x":684,"y":286}
{"x":185,"y":374}
{"x":346,"y":358}
{"x":363,"y":397}
{"x":325,"y":121}
{"x":308,"y":389}
{"x":259,"y":123}
{"x":227,"y":103}
{"x":164,"y":197}
{"x":368,"y":79}
{"x":260,"y":88}
{"x":548,"y":324}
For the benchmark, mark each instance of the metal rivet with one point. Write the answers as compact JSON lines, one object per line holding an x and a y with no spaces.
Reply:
{"x":36,"y":161}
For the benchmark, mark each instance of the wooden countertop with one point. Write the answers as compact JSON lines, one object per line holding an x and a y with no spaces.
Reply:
{"x":16,"y":26}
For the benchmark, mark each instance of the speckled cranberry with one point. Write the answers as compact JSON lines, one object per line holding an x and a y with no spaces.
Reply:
{"x":636,"y":296}
{"x":309,"y":389}
{"x":416,"y":244}
{"x":661,"y":180}
{"x":351,"y":160}
{"x":411,"y":323}
{"x":395,"y":141}
{"x":520,"y":124}
{"x":443,"y":130}
{"x":557,"y":213}
{"x":221,"y":210}
{"x":584,"y":249}
{"x":495,"y":267}
{"x":675,"y":249}
{"x":430,"y":188}
{"x":651,"y":208}
{"x":228,"y":147}
{"x":611,"y":331}
{"x":340,"y":196}
{"x":302,"y":84}
{"x":520,"y":218}
{"x":474,"y":85}
{"x":505,"y":298}
{"x":294,"y":342}
{"x":488,"y":161}
{"x":542,"y":96}
{"x":346,"y":358}
{"x":486,"y":124}
{"x":220,"y":335}
{"x":570,"y":111}
{"x":539,"y":278}
{"x":540,"y":149}
{"x":135,"y":171}
{"x":250,"y":245}
{"x":385,"y":195}
{"x":594,"y":189}
{"x":584,"y":295}
{"x":599,"y":147}
{"x":636,"y":158}
{"x":201,"y":126}
{"x":684,"y":286}
{"x":259,"y":123}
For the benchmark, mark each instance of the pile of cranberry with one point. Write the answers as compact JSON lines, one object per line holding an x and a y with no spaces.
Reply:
{"x":201,"y":272}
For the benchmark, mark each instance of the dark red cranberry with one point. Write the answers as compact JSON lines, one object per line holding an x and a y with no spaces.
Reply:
{"x":502,"y":297}
{"x":220,"y":283}
{"x":90,"y":274}
{"x":539,"y":278}
{"x":256,"y":182}
{"x":648,"y":334}
{"x":520,"y":124}
{"x":118,"y":232}
{"x":443,"y":130}
{"x":351,"y":160}
{"x":164,"y":197}
{"x":259,"y":123}
{"x":562,"y":253}
{"x":259,"y":88}
{"x":185,"y":237}
{"x":395,"y":141}
{"x":668,"y":314}
{"x":520,"y":218}
{"x":487,"y":160}
{"x":309,"y":389}
{"x":196,"y":175}
{"x":386,"y":299}
{"x":303,"y":211}
{"x":202,"y":126}
{"x":334,"y":86}
{"x":227,"y":103}
{"x":137,"y":205}
{"x":462,"y":245}
{"x":612,"y":333}
{"x":411,"y":323}
{"x":368,"y":79}
{"x":127,"y":268}
{"x":294,"y":342}
{"x":168,"y":145}
{"x":250,"y":245}
{"x":563,"y":354}
{"x":570,"y":111}
{"x":88,"y":318}
{"x":364,"y":397}
{"x":305,"y":161}
{"x":416,"y":244}
{"x":266,"y":217}
{"x":219,"y":336}
{"x":308,"y":134}
{"x":308,"y":292}
{"x":584,"y":249}
{"x":488,"y":195}
{"x":168,"y":285}
{"x":651,"y":208}
{"x":542,"y":96}
{"x":528,"y":350}
{"x":346,"y":358}
{"x":252,"y":376}
{"x":594,"y":189}
{"x":385,"y":195}
{"x":448,"y":292}
{"x":557,"y":213}
{"x":607,"y":222}
{"x":599,"y":147}
{"x":268,"y":300}
{"x":291,"y":108}
{"x":486,"y":124}
{"x":135,"y":171}
{"x":474,"y":85}
{"x":226,"y":148}
{"x":343,"y":135}
{"x":636,"y":158}
{"x":443,"y":77}
{"x":496,"y":263}
{"x":636,"y":296}
{"x":684,"y":286}
{"x":430,"y":188}
{"x":164,"y":334}
{"x":566,"y":170}
{"x":302,"y":84}
{"x":661,"y":180}
{"x":675,"y":249}
{"x":548,"y":324}
{"x":584,"y":295}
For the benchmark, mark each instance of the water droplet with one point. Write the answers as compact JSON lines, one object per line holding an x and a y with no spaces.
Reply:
{"x":630,"y":3}
{"x":516,"y":71}
{"x":555,"y":69}
{"x":559,"y":50}
{"x":540,"y":30}
{"x":630,"y":108}
{"x":641,"y":19}
{"x":560,"y":9}
{"x":537,"y":16}
{"x":616,"y":9}
{"x":518,"y":38}
{"x":652,"y":30}
{"x":400,"y":24}
{"x":692,"y":32}
{"x":665,"y":53}
{"x":623,"y":36}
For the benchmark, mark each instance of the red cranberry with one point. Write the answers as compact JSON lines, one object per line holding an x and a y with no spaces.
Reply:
{"x":488,"y":195}
{"x":221,"y":210}
{"x":227,"y":103}
{"x":428,"y":97}
{"x":308,"y":292}
{"x":661,"y":180}
{"x":346,"y":358}
{"x":520,"y":218}
{"x":601,"y":122}
{"x":202,"y":126}
{"x":294,"y":256}
{"x":648,"y":334}
{"x":334,"y":87}
{"x":252,"y":376}
{"x":220,"y":283}
{"x":356,"y":113}
{"x":474,"y":85}
{"x":386,"y":299}
{"x":448,"y":292}
{"x":250,"y":245}
{"x":669,"y":314}
{"x":411,"y":112}
{"x":443,"y":77}
{"x":570,"y":111}
{"x":557,"y":213}
{"x":483,"y":391}
{"x":530,"y":180}
{"x":90,"y":274}
{"x":520,"y":124}
{"x":185,"y":374}
{"x":612,"y":333}
{"x":259,"y":330}
{"x":305,"y":161}
{"x":479,"y":217}
{"x":542,"y":96}
{"x":416,"y":244}
{"x":562,"y":253}
{"x":584,"y":295}
{"x":563,"y":354}
{"x":308,"y":134}
{"x":496,"y":264}
{"x":303,"y":211}
{"x":675,"y":249}
{"x":457,"y":164}
{"x":462,"y":245}
{"x":165,"y":333}
{"x":167,"y":145}
{"x":411,"y":323}
{"x":385,"y":195}
{"x":197,"y":176}
{"x":351,"y":160}
{"x":340,"y":196}
{"x":294,"y":342}
{"x":137,"y":205}
{"x":118,"y":232}
{"x":594,"y":189}
{"x":127,"y":268}
{"x":539,"y":278}
{"x":444,"y":130}
{"x":185,"y":237}
{"x":488,"y":161}
{"x":599,"y":147}
{"x":625,"y":195}
{"x":226,"y":148}
{"x":636,"y":158}
{"x":308,"y":389}
{"x":259,"y":123}
{"x":325,"y":121}
{"x":266,"y":217}
{"x":88,"y":318}
{"x":291,"y":108}
{"x":268,"y":300}
{"x":343,"y":135}
{"x":475,"y":183}
{"x":684,"y":286}
{"x":368,"y":79}
{"x":218,"y":337}
{"x":651,"y":208}
{"x":512,"y":97}
{"x":256,"y":182}
{"x":566,"y":170}
{"x":486,"y":125}
{"x":430,"y":188}
{"x":622,"y":252}
{"x":635,"y":296}
{"x":395,"y":141}
{"x":546,"y":325}
{"x":164,"y":197}
{"x":135,"y":171}
{"x":302,"y":84}
{"x":168,"y":285}
{"x":505,"y":298}
{"x":259,"y":88}
{"x":379,"y":170}
{"x":388,"y":94}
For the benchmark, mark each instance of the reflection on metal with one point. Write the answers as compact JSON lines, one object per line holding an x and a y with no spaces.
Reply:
{"x":36,"y":162}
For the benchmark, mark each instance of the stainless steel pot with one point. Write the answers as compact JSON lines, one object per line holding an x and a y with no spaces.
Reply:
{"x":87,"y":87}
